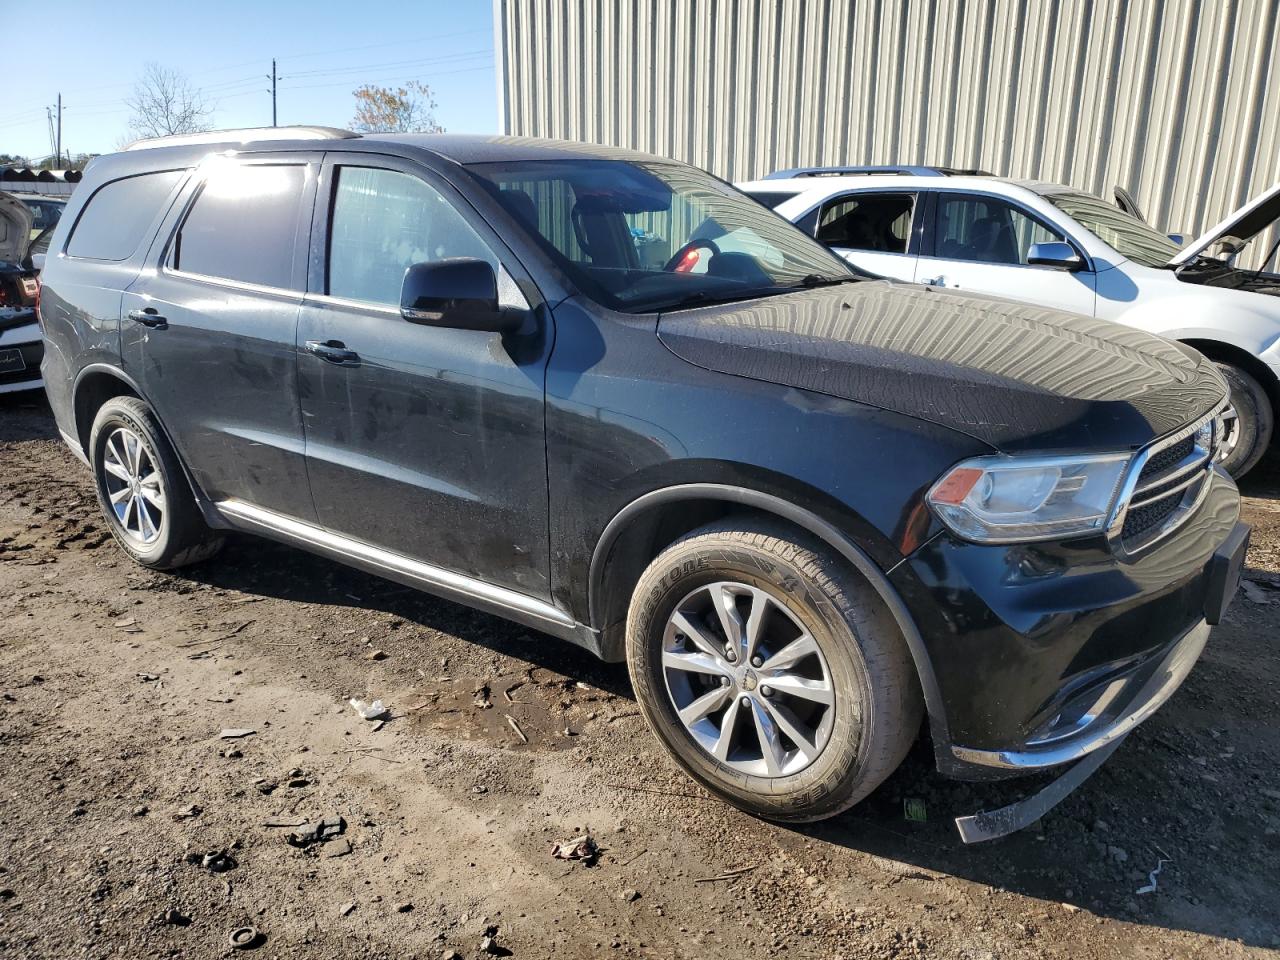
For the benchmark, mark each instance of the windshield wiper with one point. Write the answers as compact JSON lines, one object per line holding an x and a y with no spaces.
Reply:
{"x":703,"y":298}
{"x":820,"y":280}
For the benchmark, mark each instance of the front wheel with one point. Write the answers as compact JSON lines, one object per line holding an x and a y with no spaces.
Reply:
{"x":1248,"y":423}
{"x":770,"y":671}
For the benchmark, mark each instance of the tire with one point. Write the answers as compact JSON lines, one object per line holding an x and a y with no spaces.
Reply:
{"x":161,"y":526}
{"x":862,"y":660}
{"x":1254,"y":421}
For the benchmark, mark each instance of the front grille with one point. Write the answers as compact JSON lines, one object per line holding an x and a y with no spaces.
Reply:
{"x":1171,"y":478}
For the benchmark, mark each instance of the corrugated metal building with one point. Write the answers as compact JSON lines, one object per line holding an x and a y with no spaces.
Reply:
{"x":1178,"y":100}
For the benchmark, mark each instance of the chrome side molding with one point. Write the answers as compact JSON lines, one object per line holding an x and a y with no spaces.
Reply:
{"x":415,"y":573}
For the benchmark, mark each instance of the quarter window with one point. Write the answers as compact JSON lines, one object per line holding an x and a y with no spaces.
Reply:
{"x":113,"y":222}
{"x":986,"y":230}
{"x":868,"y":221}
{"x":383,"y":223}
{"x":244,"y":225}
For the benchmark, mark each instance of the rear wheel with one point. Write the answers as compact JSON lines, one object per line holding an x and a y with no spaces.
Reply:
{"x":1248,"y":424}
{"x":142,"y":490}
{"x":770,"y":671}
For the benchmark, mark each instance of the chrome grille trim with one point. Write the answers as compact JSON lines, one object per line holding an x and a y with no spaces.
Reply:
{"x":1191,"y":473}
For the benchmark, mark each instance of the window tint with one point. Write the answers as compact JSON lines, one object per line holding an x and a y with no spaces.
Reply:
{"x":868,"y":221}
{"x":385,"y":221}
{"x":113,"y":221}
{"x":243,"y":225}
{"x":986,"y":230}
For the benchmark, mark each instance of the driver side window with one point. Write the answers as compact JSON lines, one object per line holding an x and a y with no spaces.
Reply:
{"x":383,"y":222}
{"x":986,"y":230}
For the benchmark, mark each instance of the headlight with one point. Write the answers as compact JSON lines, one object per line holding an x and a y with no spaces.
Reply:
{"x":1012,"y":499}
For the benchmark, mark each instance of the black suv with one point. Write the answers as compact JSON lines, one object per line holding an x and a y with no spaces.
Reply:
{"x":608,"y":396}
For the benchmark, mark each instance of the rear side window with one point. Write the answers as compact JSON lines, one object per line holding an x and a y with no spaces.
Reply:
{"x":243,"y":225}
{"x":113,"y":222}
{"x":772,"y":200}
{"x":868,"y":221}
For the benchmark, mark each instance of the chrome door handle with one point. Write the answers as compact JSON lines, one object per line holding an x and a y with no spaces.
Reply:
{"x":149,"y":318}
{"x":334,"y":351}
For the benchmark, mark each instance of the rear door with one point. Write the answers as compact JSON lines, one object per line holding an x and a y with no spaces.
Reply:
{"x":979,"y":242}
{"x":424,"y":441}
{"x":209,"y":330}
{"x":873,"y":230}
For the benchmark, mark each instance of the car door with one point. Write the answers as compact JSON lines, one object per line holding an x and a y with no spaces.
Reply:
{"x":873,"y":230}
{"x":423,"y":441}
{"x":979,"y":242}
{"x":209,"y":329}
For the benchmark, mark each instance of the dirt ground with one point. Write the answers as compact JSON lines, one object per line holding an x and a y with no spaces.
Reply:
{"x":130,"y":828}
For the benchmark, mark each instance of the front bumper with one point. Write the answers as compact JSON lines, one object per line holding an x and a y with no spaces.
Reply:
{"x":1041,"y":654}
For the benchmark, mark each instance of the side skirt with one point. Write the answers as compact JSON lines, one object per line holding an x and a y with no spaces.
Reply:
{"x":500,"y":601}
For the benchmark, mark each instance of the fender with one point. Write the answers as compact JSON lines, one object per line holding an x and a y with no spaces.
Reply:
{"x":806,"y":520}
{"x":207,"y":510}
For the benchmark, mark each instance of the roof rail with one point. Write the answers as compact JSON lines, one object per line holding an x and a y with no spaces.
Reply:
{"x":905,"y":170}
{"x":245,"y":135}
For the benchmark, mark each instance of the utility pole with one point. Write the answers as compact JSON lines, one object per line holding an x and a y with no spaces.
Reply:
{"x":58,"y":149}
{"x":273,"y":78}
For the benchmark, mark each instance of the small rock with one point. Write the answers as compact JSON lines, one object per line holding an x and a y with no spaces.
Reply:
{"x":630,"y":895}
{"x":1118,"y":854}
{"x":1070,"y":908}
{"x":346,"y":909}
{"x":404,"y":908}
{"x":375,"y":655}
{"x":339,"y":849}
{"x":235,"y":733}
{"x":189,"y":812}
{"x":140,"y":810}
{"x":176,"y":918}
{"x":451,"y":955}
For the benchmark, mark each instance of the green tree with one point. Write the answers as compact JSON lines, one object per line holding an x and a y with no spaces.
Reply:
{"x":407,"y":109}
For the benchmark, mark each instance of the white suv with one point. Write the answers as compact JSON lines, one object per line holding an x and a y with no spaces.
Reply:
{"x":1047,"y":244}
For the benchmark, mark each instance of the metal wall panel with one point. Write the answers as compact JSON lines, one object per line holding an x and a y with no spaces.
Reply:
{"x":1178,"y":100}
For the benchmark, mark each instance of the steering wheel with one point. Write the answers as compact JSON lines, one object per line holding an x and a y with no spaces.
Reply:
{"x":674,"y":263}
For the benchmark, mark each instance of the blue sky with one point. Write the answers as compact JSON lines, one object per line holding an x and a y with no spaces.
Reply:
{"x":93,"y":51}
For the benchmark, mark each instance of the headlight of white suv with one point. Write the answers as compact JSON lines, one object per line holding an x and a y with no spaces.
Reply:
{"x":1013,"y":499}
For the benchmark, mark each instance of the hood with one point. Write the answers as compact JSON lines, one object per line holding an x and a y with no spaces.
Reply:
{"x":15,"y":228}
{"x":1245,"y":224}
{"x":1016,"y":377}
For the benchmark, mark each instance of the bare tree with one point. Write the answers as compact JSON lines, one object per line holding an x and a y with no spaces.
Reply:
{"x":407,"y":109}
{"x":164,"y":102}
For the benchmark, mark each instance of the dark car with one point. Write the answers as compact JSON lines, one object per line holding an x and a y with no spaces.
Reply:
{"x":21,"y":347}
{"x":806,"y":508}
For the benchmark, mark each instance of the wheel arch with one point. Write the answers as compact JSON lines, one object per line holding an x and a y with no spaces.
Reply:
{"x":95,"y":385}
{"x":651,"y":522}
{"x":1222,"y":352}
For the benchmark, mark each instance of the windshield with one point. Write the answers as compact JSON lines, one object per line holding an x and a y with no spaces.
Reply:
{"x":1124,"y":233}
{"x":640,"y":236}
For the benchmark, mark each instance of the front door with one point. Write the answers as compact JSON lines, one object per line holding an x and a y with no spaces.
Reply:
{"x":209,"y":328}
{"x":979,"y":243}
{"x":424,"y":441}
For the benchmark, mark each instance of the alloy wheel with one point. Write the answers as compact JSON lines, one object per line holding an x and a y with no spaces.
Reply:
{"x":134,"y":487}
{"x":748,"y":680}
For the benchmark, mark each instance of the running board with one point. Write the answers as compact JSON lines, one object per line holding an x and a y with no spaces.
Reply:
{"x":413,"y":573}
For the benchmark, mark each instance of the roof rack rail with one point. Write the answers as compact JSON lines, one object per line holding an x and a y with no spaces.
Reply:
{"x":903,"y":170}
{"x":245,"y":135}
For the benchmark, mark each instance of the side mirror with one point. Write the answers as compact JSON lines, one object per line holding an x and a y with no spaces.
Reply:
{"x":460,"y":293}
{"x":1055,"y":253}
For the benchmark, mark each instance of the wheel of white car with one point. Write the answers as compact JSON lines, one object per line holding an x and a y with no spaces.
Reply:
{"x":1248,"y":423}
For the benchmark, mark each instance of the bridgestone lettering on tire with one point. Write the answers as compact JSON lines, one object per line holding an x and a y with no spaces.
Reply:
{"x":770,"y":670}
